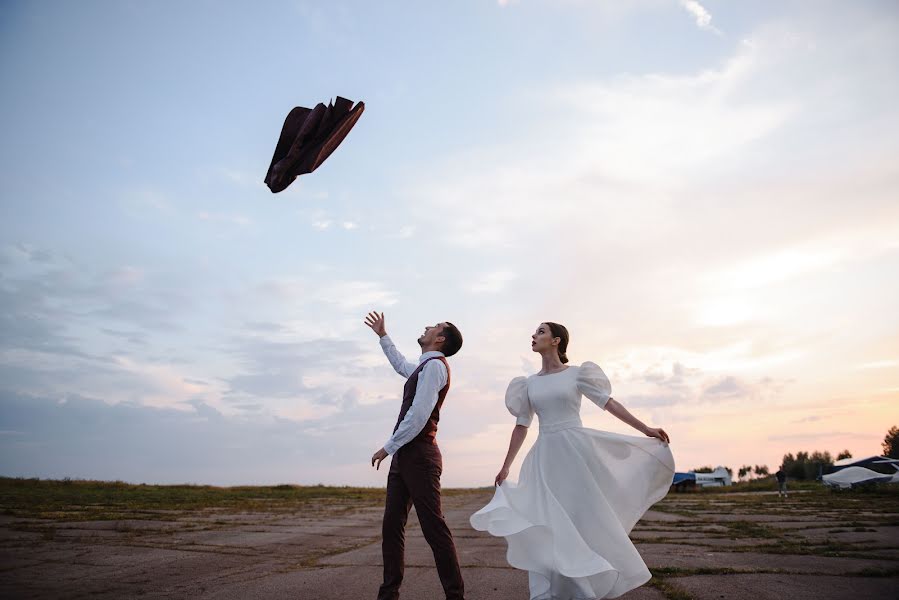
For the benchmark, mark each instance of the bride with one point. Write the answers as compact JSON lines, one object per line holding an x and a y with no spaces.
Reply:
{"x":580,"y":491}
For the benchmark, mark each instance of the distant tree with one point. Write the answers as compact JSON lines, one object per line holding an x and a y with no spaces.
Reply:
{"x":744,"y":471}
{"x":844,"y":454}
{"x":787,"y":465}
{"x":729,"y":472}
{"x":818,"y":461}
{"x":761,"y":470}
{"x":795,"y":468}
{"x":705,"y":469}
{"x":805,"y":466}
{"x":891,"y":443}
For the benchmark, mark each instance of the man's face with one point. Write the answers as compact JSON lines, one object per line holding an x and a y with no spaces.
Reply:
{"x":431,"y":335}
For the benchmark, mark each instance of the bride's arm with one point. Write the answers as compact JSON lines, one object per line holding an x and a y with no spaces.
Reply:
{"x":617,"y":409}
{"x":518,"y":434}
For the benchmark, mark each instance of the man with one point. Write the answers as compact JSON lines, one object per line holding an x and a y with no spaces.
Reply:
{"x":781,"y":482}
{"x":414,"y":476}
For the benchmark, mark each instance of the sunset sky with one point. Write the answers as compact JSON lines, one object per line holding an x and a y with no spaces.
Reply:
{"x":705,"y":193}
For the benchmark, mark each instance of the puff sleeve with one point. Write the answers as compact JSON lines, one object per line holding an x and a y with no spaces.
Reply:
{"x":594,"y":384}
{"x":517,"y":401}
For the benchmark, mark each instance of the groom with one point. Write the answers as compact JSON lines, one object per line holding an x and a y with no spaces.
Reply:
{"x":414,"y":476}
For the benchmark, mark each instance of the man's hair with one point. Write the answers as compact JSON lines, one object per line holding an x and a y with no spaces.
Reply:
{"x":452,"y":339}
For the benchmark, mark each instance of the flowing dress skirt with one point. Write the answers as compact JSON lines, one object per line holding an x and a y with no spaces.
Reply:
{"x":567,"y":520}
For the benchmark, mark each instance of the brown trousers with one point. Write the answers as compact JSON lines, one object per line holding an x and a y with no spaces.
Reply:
{"x":414,"y":479}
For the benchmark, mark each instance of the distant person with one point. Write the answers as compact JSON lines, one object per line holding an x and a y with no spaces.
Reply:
{"x":414,"y":475}
{"x":580,"y":491}
{"x":781,"y":482}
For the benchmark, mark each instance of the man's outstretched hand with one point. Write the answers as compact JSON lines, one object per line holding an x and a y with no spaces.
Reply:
{"x":376,"y":322}
{"x":378,"y":457}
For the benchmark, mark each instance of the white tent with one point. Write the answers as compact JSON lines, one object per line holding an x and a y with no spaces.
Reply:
{"x":849,"y":472}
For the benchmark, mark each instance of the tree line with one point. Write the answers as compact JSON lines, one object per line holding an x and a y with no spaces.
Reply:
{"x":806,"y":466}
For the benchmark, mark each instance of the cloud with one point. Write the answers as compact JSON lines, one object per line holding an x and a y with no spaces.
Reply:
{"x":808,"y":419}
{"x":879,"y":364}
{"x":324,"y":224}
{"x":243,"y":178}
{"x":702,"y":16}
{"x":675,"y":384}
{"x":118,"y":378}
{"x":801,"y":258}
{"x":678,"y":379}
{"x":69,"y":327}
{"x":527,"y":366}
{"x":357,"y":294}
{"x":145,"y":202}
{"x":348,"y":295}
{"x":404,"y":232}
{"x":607,"y":161}
{"x":240,"y":220}
{"x":727,"y":387}
{"x":491,"y":283}
{"x":277,"y":369}
{"x":133,"y":337}
{"x":29,"y":253}
{"x":33,"y":327}
{"x":62,"y":293}
{"x":625,"y":165}
{"x":802,"y":437}
{"x":656,"y":127}
{"x":83,"y":437}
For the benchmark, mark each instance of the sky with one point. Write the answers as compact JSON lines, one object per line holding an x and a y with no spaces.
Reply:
{"x":704,"y":193}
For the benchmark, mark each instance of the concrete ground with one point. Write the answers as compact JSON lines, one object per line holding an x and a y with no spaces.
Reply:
{"x":700,"y":546}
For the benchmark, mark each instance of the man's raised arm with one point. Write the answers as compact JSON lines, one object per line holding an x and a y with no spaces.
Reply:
{"x":399,"y":363}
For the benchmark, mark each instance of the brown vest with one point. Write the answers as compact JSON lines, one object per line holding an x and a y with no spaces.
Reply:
{"x":428,"y":433}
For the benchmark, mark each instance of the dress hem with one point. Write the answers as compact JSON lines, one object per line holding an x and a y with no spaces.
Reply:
{"x":630,"y":583}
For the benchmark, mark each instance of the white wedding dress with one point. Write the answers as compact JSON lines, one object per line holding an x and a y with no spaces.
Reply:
{"x":579,"y":493}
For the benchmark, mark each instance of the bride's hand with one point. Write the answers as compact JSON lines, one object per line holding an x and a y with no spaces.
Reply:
{"x":658,"y":432}
{"x":501,"y":476}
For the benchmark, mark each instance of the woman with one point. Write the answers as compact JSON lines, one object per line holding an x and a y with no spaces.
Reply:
{"x":580,"y":491}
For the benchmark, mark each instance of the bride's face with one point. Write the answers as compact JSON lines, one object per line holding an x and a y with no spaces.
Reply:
{"x":542,"y":339}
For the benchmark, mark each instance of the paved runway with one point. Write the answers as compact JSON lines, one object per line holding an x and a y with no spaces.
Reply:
{"x":700,"y":546}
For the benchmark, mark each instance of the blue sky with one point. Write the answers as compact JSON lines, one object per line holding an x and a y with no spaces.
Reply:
{"x":705,"y":193}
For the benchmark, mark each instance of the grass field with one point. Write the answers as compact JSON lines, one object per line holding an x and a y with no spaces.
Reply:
{"x":102,"y":500}
{"x":76,"y":499}
{"x":87,"y":500}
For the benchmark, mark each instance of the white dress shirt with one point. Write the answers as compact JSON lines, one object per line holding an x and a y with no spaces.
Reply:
{"x":431,"y":380}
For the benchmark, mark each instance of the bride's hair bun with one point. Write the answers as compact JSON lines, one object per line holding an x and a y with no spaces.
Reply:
{"x":559,"y":331}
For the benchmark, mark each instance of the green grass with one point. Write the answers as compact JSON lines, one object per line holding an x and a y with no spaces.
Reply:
{"x":814,"y":500}
{"x":762,"y":485}
{"x":688,"y":571}
{"x":101,"y":500}
{"x":88,"y":500}
{"x":770,"y":485}
{"x":669,"y":590}
{"x":748,"y":529}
